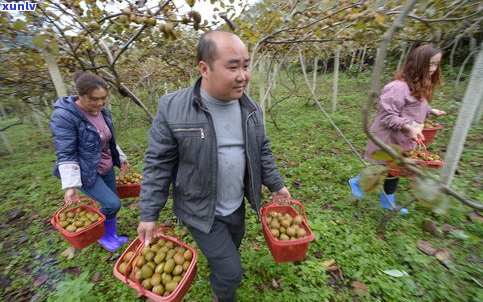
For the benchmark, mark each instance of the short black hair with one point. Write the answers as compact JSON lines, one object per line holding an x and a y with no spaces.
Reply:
{"x":86,"y":82}
{"x":206,"y":49}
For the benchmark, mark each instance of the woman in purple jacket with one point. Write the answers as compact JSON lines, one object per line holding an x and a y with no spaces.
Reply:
{"x":87,"y":152}
{"x":403,"y":107}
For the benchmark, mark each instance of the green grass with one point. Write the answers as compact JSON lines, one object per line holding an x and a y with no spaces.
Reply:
{"x":315,"y":163}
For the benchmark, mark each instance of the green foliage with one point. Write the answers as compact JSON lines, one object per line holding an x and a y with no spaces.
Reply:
{"x":74,"y":290}
{"x":315,"y":164}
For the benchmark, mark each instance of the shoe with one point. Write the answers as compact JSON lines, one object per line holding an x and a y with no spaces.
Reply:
{"x":356,"y":190}
{"x":120,"y":239}
{"x":108,"y":241}
{"x":387,"y":205}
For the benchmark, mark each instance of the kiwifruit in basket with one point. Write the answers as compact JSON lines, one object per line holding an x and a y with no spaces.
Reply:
{"x":77,"y":220}
{"x":159,"y":267}
{"x":284,"y":226}
{"x":129,"y":178}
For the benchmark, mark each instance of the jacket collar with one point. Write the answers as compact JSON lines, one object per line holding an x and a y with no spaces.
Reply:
{"x":245,"y":101}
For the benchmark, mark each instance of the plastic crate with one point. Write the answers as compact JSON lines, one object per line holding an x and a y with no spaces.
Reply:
{"x":128,"y":190}
{"x":430,"y":133}
{"x":86,"y":236}
{"x":184,"y":284}
{"x":286,"y":250}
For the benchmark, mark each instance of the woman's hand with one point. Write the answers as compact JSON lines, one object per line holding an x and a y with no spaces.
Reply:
{"x":413,"y":133}
{"x":71,"y":195}
{"x":437,"y":112}
{"x":125,"y":166}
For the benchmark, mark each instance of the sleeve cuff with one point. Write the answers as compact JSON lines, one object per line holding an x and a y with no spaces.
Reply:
{"x":70,"y":175}
{"x":122,"y":156}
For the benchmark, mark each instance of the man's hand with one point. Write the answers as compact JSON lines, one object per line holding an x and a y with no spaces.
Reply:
{"x":71,"y":195}
{"x":437,"y":112}
{"x":146,"y":230}
{"x":282,"y":194}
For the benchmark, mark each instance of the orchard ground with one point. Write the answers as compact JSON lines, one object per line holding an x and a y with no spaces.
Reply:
{"x":315,"y":163}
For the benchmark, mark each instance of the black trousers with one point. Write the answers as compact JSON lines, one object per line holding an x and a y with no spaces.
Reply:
{"x":390,"y":184}
{"x":220,"y":247}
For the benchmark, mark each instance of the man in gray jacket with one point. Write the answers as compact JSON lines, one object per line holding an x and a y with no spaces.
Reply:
{"x":208,"y":141}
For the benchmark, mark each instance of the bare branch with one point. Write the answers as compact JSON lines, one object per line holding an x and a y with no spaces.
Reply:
{"x":375,"y":87}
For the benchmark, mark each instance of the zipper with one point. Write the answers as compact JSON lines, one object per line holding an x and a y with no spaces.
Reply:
{"x":201,"y":130}
{"x":250,"y":172}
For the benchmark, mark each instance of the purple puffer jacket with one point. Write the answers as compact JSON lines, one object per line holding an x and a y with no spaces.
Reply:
{"x":396,"y":108}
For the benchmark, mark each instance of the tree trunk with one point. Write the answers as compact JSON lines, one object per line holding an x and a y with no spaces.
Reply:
{"x":353,"y":56}
{"x":453,"y":50}
{"x":477,"y":118}
{"x":363,"y":55}
{"x":36,"y":114}
{"x":469,"y":107}
{"x":314,"y":75}
{"x":6,"y":142}
{"x":261,"y":85}
{"x":3,"y":112}
{"x":403,"y":55}
{"x":336,"y":79}
{"x":55,"y":75}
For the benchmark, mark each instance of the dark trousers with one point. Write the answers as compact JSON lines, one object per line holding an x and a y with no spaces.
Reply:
{"x":220,"y":247}
{"x":390,"y":184}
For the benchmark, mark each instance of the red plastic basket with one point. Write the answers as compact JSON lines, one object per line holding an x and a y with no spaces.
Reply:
{"x":128,"y":190}
{"x":397,"y":171}
{"x":136,"y":246}
{"x":430,"y":133}
{"x":86,"y":236}
{"x":286,"y":250}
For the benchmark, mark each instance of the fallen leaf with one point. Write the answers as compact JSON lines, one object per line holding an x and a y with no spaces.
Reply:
{"x":359,"y":287}
{"x":328,"y":263}
{"x":395,"y":273}
{"x":475,"y":163}
{"x":5,"y":281}
{"x":74,"y":270}
{"x":15,"y":214}
{"x":335,"y":272}
{"x":255,"y":246}
{"x":426,"y":247}
{"x":69,"y":253}
{"x":276,"y":284}
{"x":474,"y":259}
{"x":297,"y":184}
{"x":475,"y":184}
{"x":335,"y":150}
{"x":40,"y":280}
{"x":97,"y":277}
{"x":23,"y":239}
{"x":459,"y":234}
{"x":443,"y":255}
{"x":430,"y":227}
{"x":445,"y":258}
{"x":318,"y":254}
{"x":474,"y":216}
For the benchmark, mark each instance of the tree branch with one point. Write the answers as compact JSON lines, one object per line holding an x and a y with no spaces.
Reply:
{"x":375,"y":87}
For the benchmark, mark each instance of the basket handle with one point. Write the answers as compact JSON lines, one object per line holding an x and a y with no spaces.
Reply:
{"x":55,"y":218}
{"x":422,"y":146}
{"x":132,"y":265}
{"x":288,"y":201}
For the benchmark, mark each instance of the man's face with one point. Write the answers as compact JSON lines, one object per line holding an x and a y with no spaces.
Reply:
{"x":229,"y":73}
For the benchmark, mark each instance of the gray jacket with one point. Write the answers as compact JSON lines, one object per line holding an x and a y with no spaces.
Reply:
{"x":182,"y":152}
